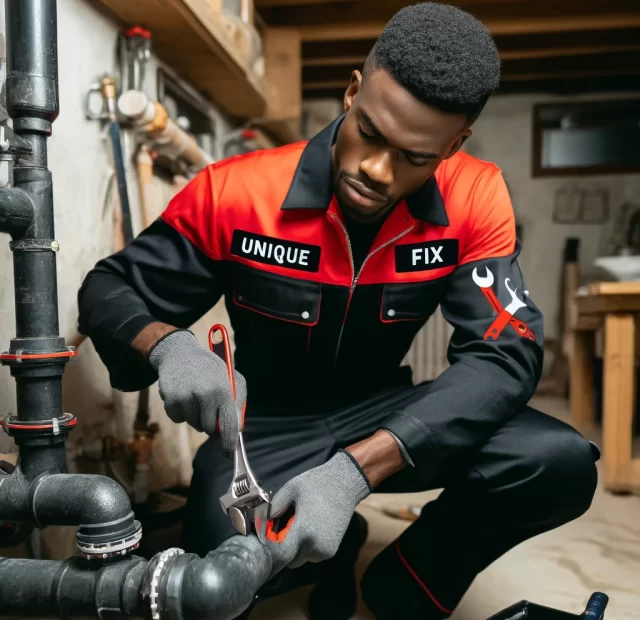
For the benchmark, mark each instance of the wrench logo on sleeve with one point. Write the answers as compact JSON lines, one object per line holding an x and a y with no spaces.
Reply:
{"x":506,"y":315}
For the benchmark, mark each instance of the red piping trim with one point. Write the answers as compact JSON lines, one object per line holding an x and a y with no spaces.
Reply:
{"x":37,"y":356}
{"x":442,"y":608}
{"x":34,"y":427}
{"x":274,"y":316}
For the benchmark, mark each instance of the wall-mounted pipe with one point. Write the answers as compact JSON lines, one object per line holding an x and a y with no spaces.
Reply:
{"x":39,"y":489}
{"x":144,"y":168}
{"x":173,"y":585}
{"x":152,"y":120}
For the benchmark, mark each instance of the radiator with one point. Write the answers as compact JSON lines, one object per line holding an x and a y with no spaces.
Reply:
{"x":428,"y":353}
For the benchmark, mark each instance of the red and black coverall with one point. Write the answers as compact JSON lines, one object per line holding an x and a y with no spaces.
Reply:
{"x":320,"y":335}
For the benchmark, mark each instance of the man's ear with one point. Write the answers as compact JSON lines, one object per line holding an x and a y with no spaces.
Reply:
{"x":457,"y":145}
{"x":352,"y":89}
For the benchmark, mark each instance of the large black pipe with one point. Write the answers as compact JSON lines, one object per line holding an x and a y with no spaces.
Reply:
{"x":32,"y":103}
{"x":32,"y":63}
{"x":175,"y":586}
{"x":40,"y":490}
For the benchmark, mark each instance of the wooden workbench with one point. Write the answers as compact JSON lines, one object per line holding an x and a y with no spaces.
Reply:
{"x":615,"y":308}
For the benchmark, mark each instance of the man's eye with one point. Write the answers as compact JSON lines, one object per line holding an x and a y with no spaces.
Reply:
{"x":418,"y":162}
{"x":365,"y":135}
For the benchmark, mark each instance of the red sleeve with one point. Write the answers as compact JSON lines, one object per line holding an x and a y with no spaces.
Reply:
{"x":491,"y":229}
{"x":192,"y":212}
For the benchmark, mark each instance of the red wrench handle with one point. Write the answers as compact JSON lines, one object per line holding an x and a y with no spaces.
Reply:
{"x":492,"y":299}
{"x":503,"y":319}
{"x":222,"y":349}
{"x":498,"y":325}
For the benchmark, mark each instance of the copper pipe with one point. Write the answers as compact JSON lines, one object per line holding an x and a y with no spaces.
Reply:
{"x":152,"y":119}
{"x":144,"y":167}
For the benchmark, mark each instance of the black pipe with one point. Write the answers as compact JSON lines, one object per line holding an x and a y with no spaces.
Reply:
{"x":32,"y":103}
{"x":40,"y":490}
{"x":97,"y":504}
{"x":16,"y":213}
{"x":32,"y":63}
{"x":180,"y":586}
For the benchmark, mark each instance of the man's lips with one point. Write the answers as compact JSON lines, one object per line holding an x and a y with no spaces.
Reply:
{"x":365,"y":191}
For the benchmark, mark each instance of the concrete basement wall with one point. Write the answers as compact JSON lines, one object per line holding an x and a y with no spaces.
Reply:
{"x":79,"y":160}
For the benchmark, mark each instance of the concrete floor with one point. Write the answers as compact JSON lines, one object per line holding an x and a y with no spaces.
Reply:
{"x":560,"y":569}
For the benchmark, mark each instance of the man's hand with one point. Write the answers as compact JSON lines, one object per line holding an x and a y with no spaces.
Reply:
{"x":324,"y":499}
{"x":194,"y":385}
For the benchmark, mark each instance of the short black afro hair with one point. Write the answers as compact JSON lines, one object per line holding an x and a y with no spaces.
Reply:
{"x":442,"y":55}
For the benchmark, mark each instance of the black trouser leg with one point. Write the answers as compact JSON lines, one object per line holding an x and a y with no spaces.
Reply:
{"x":534,"y":475}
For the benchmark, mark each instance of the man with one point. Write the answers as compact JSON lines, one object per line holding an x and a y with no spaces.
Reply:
{"x":331,"y":254}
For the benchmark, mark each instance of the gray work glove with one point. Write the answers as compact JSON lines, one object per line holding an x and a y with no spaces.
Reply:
{"x":325,"y":499}
{"x":194,"y":385}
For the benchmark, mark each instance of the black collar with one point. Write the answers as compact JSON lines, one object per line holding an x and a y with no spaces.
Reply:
{"x":312,"y":187}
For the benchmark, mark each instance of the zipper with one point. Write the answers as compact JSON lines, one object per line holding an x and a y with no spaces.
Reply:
{"x":355,"y":276}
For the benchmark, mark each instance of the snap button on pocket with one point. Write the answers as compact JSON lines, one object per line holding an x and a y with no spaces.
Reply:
{"x":391,"y":312}
{"x":305,"y":315}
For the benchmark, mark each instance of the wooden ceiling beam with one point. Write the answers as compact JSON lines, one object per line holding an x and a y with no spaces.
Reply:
{"x":623,"y":62}
{"x":338,"y":13}
{"x":357,"y":61}
{"x":334,"y":61}
{"x":502,"y":26}
{"x":584,"y":73}
{"x":577,"y":38}
{"x":506,"y":43}
{"x":336,"y":84}
{"x":563,"y":86}
{"x":269,"y":3}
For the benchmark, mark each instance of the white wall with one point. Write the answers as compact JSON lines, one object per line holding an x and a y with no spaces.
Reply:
{"x":503,"y":134}
{"x":79,"y":160}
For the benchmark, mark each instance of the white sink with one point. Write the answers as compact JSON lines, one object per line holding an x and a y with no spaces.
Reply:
{"x":622,"y":268}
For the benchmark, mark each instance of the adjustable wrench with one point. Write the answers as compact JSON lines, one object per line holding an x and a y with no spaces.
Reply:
{"x":246,"y":502}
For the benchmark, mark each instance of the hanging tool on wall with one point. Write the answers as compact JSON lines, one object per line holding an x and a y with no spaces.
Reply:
{"x":108,"y":90}
{"x":106,"y":87}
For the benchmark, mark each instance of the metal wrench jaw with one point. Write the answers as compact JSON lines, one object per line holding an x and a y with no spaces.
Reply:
{"x":483,"y":281}
{"x":245,"y":498}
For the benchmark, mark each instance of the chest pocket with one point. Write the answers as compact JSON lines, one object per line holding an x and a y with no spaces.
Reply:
{"x":411,"y":301}
{"x":276,"y":297}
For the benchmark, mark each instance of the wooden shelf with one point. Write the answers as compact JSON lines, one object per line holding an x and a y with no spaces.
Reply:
{"x":189,"y":37}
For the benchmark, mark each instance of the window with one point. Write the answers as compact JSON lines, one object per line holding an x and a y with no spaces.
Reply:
{"x":586,"y":138}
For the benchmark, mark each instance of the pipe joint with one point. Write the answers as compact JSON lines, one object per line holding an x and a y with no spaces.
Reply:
{"x":16,"y":211}
{"x":97,"y":503}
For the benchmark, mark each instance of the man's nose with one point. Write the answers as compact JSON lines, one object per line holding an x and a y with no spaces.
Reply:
{"x":379,"y":168}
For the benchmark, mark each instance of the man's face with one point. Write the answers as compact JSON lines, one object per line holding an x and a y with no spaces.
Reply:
{"x":389,"y":145}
